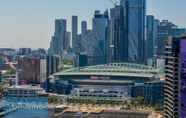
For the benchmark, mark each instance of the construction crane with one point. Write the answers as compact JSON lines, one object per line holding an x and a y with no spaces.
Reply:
{"x":115,"y":2}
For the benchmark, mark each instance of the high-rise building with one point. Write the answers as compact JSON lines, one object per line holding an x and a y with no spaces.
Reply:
{"x":24,"y":51}
{"x":43,"y":70}
{"x":175,"y":82}
{"x":156,"y":25}
{"x":66,"y":44}
{"x":83,"y":27}
{"x":166,"y":29}
{"x":117,"y":45}
{"x":151,"y":37}
{"x":100,"y":30}
{"x":29,"y":70}
{"x":53,"y":64}
{"x":82,"y":60}
{"x":57,"y":43}
{"x":134,"y":26}
{"x":75,"y":33}
{"x":89,"y":39}
{"x":84,"y":32}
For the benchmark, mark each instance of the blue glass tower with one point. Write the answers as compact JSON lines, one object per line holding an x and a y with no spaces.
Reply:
{"x":151,"y":38}
{"x":134,"y":18}
{"x":57,"y":43}
{"x":118,"y":43}
{"x":100,"y":28}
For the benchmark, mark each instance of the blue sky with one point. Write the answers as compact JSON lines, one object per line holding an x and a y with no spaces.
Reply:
{"x":30,"y":23}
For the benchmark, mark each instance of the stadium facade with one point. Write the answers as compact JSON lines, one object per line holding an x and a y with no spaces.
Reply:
{"x":116,"y":81}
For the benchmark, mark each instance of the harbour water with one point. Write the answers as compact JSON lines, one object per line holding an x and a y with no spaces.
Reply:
{"x":29,"y":114}
{"x":25,"y":102}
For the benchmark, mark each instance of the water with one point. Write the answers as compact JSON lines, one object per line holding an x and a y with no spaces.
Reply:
{"x":28,"y":107}
{"x":29,"y":114}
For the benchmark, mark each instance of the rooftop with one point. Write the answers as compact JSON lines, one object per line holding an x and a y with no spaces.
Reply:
{"x":113,"y":69}
{"x":25,"y":87}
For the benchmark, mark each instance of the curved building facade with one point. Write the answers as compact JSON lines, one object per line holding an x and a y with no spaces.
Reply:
{"x":115,"y":81}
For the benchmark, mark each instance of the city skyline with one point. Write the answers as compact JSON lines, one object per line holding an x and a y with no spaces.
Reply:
{"x":26,"y":22}
{"x":92,"y":58}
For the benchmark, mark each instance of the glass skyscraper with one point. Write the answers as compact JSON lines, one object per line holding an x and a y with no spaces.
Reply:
{"x":100,"y":28}
{"x":151,"y":38}
{"x":117,"y":45}
{"x":83,"y":27}
{"x":134,"y":18}
{"x":75,"y":42}
{"x":166,"y":29}
{"x":59,"y":37}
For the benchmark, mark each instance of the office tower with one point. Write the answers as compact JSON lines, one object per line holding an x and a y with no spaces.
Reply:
{"x":82,"y":60}
{"x":151,"y":37}
{"x":166,"y":29}
{"x":84,"y":32}
{"x":53,"y":46}
{"x":163,"y":32}
{"x":75,"y":33}
{"x":43,"y":70}
{"x":24,"y":51}
{"x":134,"y":26}
{"x":60,"y":30}
{"x":175,"y":82}
{"x":58,"y":39}
{"x":83,"y":27}
{"x":156,"y":25}
{"x":66,"y":44}
{"x":89,"y":49}
{"x":117,"y":45}
{"x":100,"y":28}
{"x":53,"y":64}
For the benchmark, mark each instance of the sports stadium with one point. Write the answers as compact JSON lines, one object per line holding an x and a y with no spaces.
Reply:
{"x":118,"y":81}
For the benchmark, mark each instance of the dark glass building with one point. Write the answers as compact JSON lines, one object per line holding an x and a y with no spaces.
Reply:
{"x":24,"y":51}
{"x":166,"y":29}
{"x":175,"y":82}
{"x":82,"y":60}
{"x":134,"y":27}
{"x":118,"y":45}
{"x":151,"y":37}
{"x":151,"y":91}
{"x":100,"y":28}
{"x":59,"y":38}
{"x":75,"y":41}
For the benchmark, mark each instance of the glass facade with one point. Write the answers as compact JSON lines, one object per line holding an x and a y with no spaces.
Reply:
{"x":118,"y":45}
{"x":151,"y":36}
{"x":134,"y":18}
{"x":100,"y":26}
{"x":59,"y":36}
{"x":75,"y":39}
